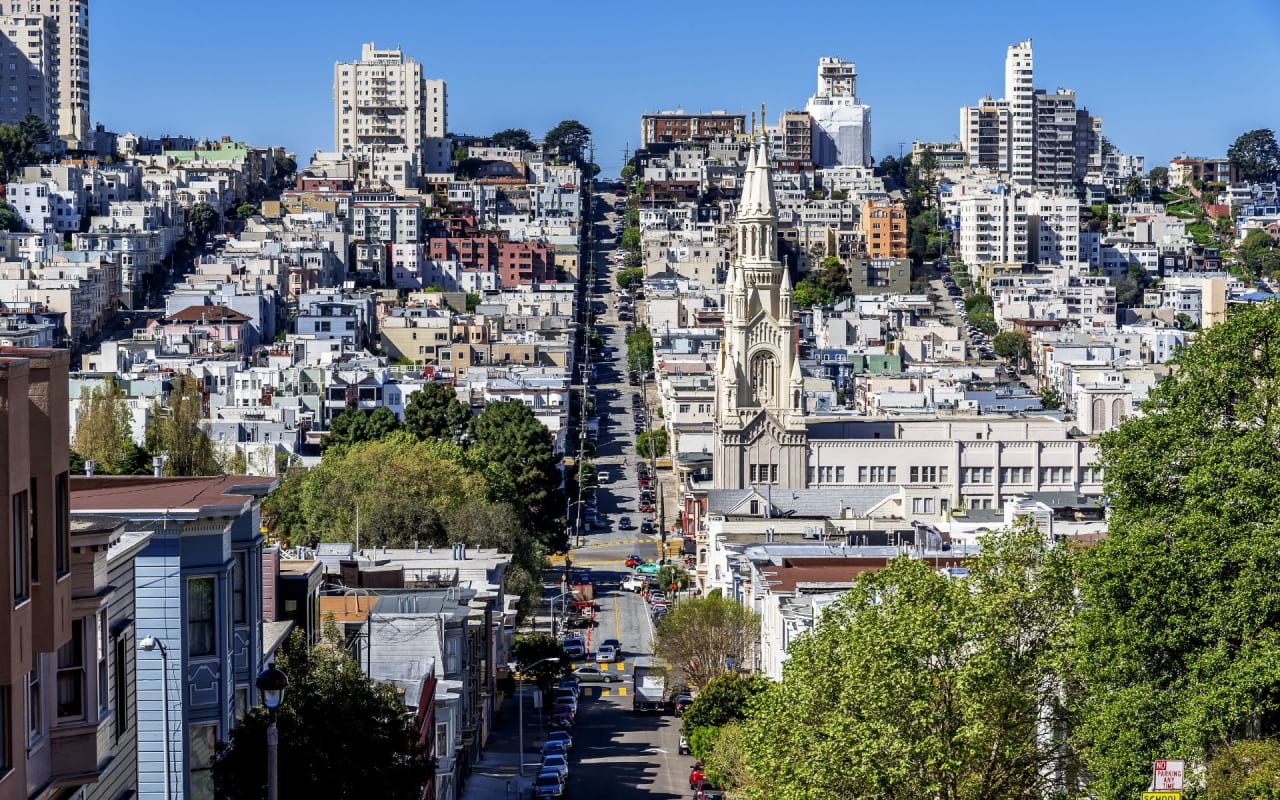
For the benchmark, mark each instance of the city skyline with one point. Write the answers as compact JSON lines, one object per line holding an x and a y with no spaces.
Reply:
{"x":1152,"y":100}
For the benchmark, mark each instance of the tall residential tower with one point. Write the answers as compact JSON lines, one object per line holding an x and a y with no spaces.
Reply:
{"x":841,"y":125}
{"x":64,"y":83}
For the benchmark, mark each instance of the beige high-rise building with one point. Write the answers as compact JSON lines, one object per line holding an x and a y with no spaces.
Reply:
{"x":1018,"y":90}
{"x":70,"y":72}
{"x":385,"y":113}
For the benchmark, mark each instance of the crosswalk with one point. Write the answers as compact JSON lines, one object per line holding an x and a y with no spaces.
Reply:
{"x":620,"y":691}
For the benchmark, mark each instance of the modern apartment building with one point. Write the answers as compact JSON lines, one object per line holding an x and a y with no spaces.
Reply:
{"x":669,"y":127}
{"x":35,"y":577}
{"x":985,"y":130}
{"x":1018,"y":90}
{"x":841,"y":125}
{"x":884,"y":226}
{"x":796,"y":134}
{"x":65,"y":25}
{"x":993,"y":229}
{"x":29,"y":67}
{"x":388,"y":116}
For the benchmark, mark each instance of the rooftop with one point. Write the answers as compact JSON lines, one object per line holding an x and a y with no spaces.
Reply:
{"x":144,"y":495}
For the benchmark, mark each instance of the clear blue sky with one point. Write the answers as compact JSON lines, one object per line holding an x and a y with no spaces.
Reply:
{"x":1166,"y":76}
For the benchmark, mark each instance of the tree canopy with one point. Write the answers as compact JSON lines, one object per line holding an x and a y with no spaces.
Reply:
{"x":568,"y":140}
{"x":340,"y":735}
{"x":202,"y":220}
{"x":639,"y":348}
{"x":513,"y":139}
{"x":104,"y":428}
{"x":1255,"y":156}
{"x":178,"y":432}
{"x":1259,"y":254}
{"x":435,"y":412}
{"x":353,"y":425}
{"x":706,"y":637}
{"x":915,"y":684}
{"x":507,"y":435}
{"x":1177,"y":645}
{"x":1012,"y":345}
{"x":22,"y":144}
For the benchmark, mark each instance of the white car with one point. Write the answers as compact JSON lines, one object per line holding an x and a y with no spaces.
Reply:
{"x":558,"y":763}
{"x":633,"y":583}
{"x":606,"y":653}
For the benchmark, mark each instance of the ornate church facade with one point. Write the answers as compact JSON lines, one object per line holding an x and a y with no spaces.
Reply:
{"x":760,"y":436}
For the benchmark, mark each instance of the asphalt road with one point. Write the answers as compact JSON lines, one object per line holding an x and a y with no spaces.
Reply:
{"x":629,"y":755}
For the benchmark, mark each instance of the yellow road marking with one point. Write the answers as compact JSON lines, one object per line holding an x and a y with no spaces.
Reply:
{"x":622,"y":691}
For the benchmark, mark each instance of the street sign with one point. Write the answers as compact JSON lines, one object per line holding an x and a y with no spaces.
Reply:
{"x":1167,"y":775}
{"x":1162,"y":796}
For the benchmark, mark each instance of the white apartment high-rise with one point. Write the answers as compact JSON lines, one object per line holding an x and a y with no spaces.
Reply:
{"x":387,"y":114}
{"x":70,"y":72}
{"x":1019,"y":91}
{"x":841,"y":125}
{"x":28,"y":69}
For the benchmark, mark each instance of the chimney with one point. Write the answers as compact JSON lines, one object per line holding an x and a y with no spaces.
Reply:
{"x":88,"y":468}
{"x":415,"y":545}
{"x":157,"y":466}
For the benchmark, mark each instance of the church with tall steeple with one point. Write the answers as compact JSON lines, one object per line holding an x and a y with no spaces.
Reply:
{"x":760,"y":436}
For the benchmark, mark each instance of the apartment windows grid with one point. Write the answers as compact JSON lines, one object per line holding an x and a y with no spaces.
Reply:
{"x":929,"y":474}
{"x":71,"y":673}
{"x":1019,"y":475}
{"x":976,"y":474}
{"x":201,"y":631}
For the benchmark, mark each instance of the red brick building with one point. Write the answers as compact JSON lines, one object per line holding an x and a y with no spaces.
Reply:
{"x":516,"y":263}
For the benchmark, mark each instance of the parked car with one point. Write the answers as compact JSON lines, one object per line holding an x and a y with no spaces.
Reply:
{"x":594,"y":675}
{"x":646,"y":526}
{"x":684,"y":745}
{"x":553,"y":749}
{"x":682,"y":703}
{"x":632,"y":583}
{"x":548,"y":785}
{"x":574,"y":646}
{"x":696,"y":776}
{"x":558,"y":763}
{"x":614,"y":643}
{"x":561,"y":736}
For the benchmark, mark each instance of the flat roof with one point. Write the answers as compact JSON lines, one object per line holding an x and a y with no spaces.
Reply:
{"x":348,"y":608}
{"x":143,"y":495}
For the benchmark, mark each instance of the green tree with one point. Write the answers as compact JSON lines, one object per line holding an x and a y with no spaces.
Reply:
{"x":724,"y":756}
{"x":104,"y":428}
{"x":915,"y":684}
{"x":435,"y":412}
{"x":640,"y":349}
{"x":513,"y":139}
{"x":1159,"y":177}
{"x":9,"y":219}
{"x":247,"y":210}
{"x":568,"y":140}
{"x":652,"y":444}
{"x":806,"y":294}
{"x":1258,"y":253}
{"x":530,"y":648}
{"x":1255,"y":156}
{"x":628,"y":172}
{"x":1012,"y":345}
{"x":507,"y":435}
{"x":16,"y":151}
{"x":723,"y":699}
{"x":1246,"y":770}
{"x":630,"y":240}
{"x":1131,"y":285}
{"x":832,"y":278}
{"x":1133,"y":188}
{"x":177,"y":431}
{"x":1050,"y":399}
{"x":202,"y":220}
{"x":1176,"y":651}
{"x":353,"y":425}
{"x":341,"y":735}
{"x":627,"y":277}
{"x":706,"y":637}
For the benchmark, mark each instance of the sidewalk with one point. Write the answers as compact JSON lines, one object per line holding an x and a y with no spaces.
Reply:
{"x":496,"y":775}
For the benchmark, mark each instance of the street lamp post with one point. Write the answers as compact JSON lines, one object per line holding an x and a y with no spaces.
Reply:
{"x":272,"y":683}
{"x":148,"y":645}
{"x":520,"y":702}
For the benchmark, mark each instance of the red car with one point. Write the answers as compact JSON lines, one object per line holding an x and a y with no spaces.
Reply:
{"x":634,"y":560}
{"x":646,"y":508}
{"x":696,"y":776}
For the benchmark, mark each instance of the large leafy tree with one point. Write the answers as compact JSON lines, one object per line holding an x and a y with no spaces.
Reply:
{"x":178,"y":431}
{"x":435,"y":412}
{"x":534,"y":653}
{"x":723,"y":700}
{"x":1178,"y":642}
{"x":1013,"y":345}
{"x":508,"y":436}
{"x":639,"y":348}
{"x":202,"y":220}
{"x":353,"y":425}
{"x":104,"y":428}
{"x":919,"y":685}
{"x":340,"y":735}
{"x":568,"y":140}
{"x":1159,"y":177}
{"x":1248,"y":770}
{"x":514,"y":139}
{"x":706,"y":637}
{"x":1255,"y":156}
{"x":1259,"y":254}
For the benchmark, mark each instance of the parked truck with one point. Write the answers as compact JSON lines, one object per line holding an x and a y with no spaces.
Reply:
{"x":649,"y":692}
